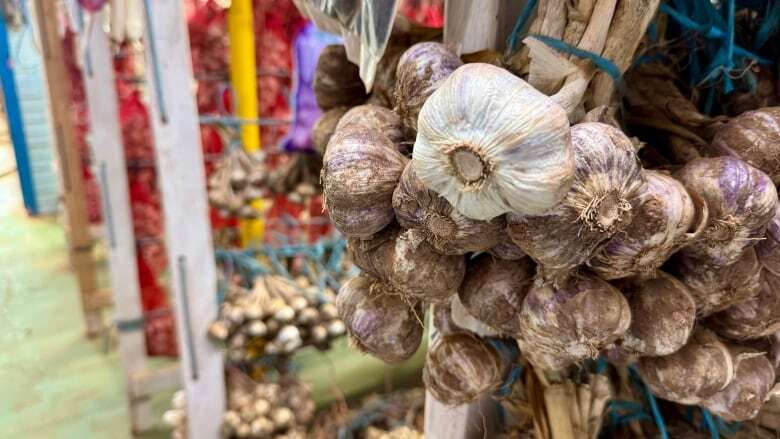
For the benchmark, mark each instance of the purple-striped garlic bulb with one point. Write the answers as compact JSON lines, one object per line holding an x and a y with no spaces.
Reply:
{"x":493,"y":291}
{"x":753,"y":136}
{"x":754,"y":318}
{"x":462,"y":367}
{"x":446,"y":229}
{"x":325,"y":127}
{"x":373,"y":116}
{"x":715,"y":288}
{"x":700,"y":369}
{"x":337,"y":80}
{"x":360,"y":170}
{"x":600,"y":203}
{"x":744,"y":396}
{"x":768,"y":249}
{"x":379,"y":320}
{"x":409,"y":264}
{"x":667,"y":217}
{"x":741,"y":201}
{"x":420,"y":71}
{"x":561,"y":326}
{"x":662,"y":316}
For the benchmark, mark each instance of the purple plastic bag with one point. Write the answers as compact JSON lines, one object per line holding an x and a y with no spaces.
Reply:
{"x":306,"y":50}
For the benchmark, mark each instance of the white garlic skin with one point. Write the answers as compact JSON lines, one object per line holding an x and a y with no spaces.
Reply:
{"x":490,"y":143}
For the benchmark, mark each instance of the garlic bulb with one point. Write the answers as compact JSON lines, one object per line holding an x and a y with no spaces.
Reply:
{"x":449,"y":232}
{"x":373,"y":116}
{"x":489,"y":143}
{"x":378,"y":320}
{"x":493,"y":291}
{"x":662,"y":316}
{"x":461,"y":368}
{"x":420,"y":71}
{"x":754,"y":137}
{"x":442,"y":318}
{"x":666,"y":219}
{"x":768,"y":249}
{"x":336,"y":80}
{"x":360,"y":170}
{"x":325,"y":127}
{"x":409,"y":264}
{"x":741,"y":202}
{"x":716,"y":288}
{"x":700,"y":369}
{"x":742,"y":399}
{"x":506,"y":249}
{"x":560,"y":326}
{"x":754,"y":318}
{"x":601,"y":202}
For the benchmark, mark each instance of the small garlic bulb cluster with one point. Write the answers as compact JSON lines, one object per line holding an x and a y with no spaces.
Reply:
{"x":276,"y":318}
{"x":239,"y":179}
{"x":298,"y":177}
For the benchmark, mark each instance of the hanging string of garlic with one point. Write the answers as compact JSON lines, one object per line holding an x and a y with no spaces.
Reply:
{"x":239,"y":179}
{"x":276,"y":318}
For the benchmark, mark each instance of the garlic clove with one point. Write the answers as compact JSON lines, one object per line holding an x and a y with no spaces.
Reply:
{"x":489,"y":143}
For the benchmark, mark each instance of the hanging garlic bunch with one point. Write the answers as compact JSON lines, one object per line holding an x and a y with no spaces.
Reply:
{"x":239,"y":179}
{"x":742,"y":398}
{"x":601,"y":202}
{"x":667,"y":218}
{"x":409,"y":264}
{"x":420,"y":71}
{"x":276,"y":318}
{"x":378,"y":320}
{"x":663,"y":313}
{"x":754,"y":318}
{"x":298,"y":177}
{"x":562,"y":325}
{"x":359,"y":173}
{"x":489,"y":143}
{"x":493,"y":291}
{"x":336,"y":80}
{"x":716,"y":288}
{"x":176,"y":416}
{"x":462,"y":367}
{"x":699,"y":370}
{"x":753,"y":136}
{"x":741,"y":202}
{"x":416,"y":207}
{"x":325,"y":127}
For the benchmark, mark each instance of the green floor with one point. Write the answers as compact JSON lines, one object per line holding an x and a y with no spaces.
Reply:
{"x":54,"y":383}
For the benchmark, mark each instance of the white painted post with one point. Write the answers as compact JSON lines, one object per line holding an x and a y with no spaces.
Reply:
{"x":188,"y":232}
{"x":106,"y":142}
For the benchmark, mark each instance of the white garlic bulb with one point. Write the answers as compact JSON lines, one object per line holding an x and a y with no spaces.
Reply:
{"x":490,"y":143}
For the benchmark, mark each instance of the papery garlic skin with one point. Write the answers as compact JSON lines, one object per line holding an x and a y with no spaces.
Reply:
{"x":373,"y":116}
{"x":741,"y":201}
{"x":489,"y":143}
{"x":449,"y":232}
{"x":666,"y":219}
{"x":753,"y":136}
{"x":754,"y":318}
{"x":742,"y":399}
{"x":337,"y":80}
{"x":768,"y":249}
{"x":360,"y":170}
{"x":600,"y":202}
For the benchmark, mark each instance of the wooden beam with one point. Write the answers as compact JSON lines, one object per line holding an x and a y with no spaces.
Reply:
{"x":182,"y":182}
{"x":471,"y":26}
{"x":119,"y":237}
{"x":69,"y":162}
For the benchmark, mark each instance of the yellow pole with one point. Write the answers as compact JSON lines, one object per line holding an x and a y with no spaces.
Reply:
{"x":243,"y":76}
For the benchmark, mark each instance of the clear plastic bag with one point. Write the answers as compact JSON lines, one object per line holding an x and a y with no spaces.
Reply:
{"x":364,"y":24}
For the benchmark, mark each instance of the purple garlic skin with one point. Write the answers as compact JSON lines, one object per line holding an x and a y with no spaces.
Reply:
{"x":600,"y":203}
{"x":716,"y":288}
{"x":757,"y":317}
{"x":753,"y":136}
{"x":560,"y":326}
{"x":666,"y":219}
{"x":768,"y":249}
{"x":741,"y":201}
{"x":742,"y":399}
{"x":420,"y":71}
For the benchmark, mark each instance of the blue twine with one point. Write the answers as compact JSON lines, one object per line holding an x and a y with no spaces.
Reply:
{"x":652,"y":402}
{"x":768,"y":26}
{"x":709,"y":423}
{"x":602,"y":63}
{"x":509,"y":352}
{"x":522,"y":19}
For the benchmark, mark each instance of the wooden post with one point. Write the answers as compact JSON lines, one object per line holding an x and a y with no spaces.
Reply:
{"x":471,"y":26}
{"x":69,"y":161}
{"x":106,"y":143}
{"x":188,"y":232}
